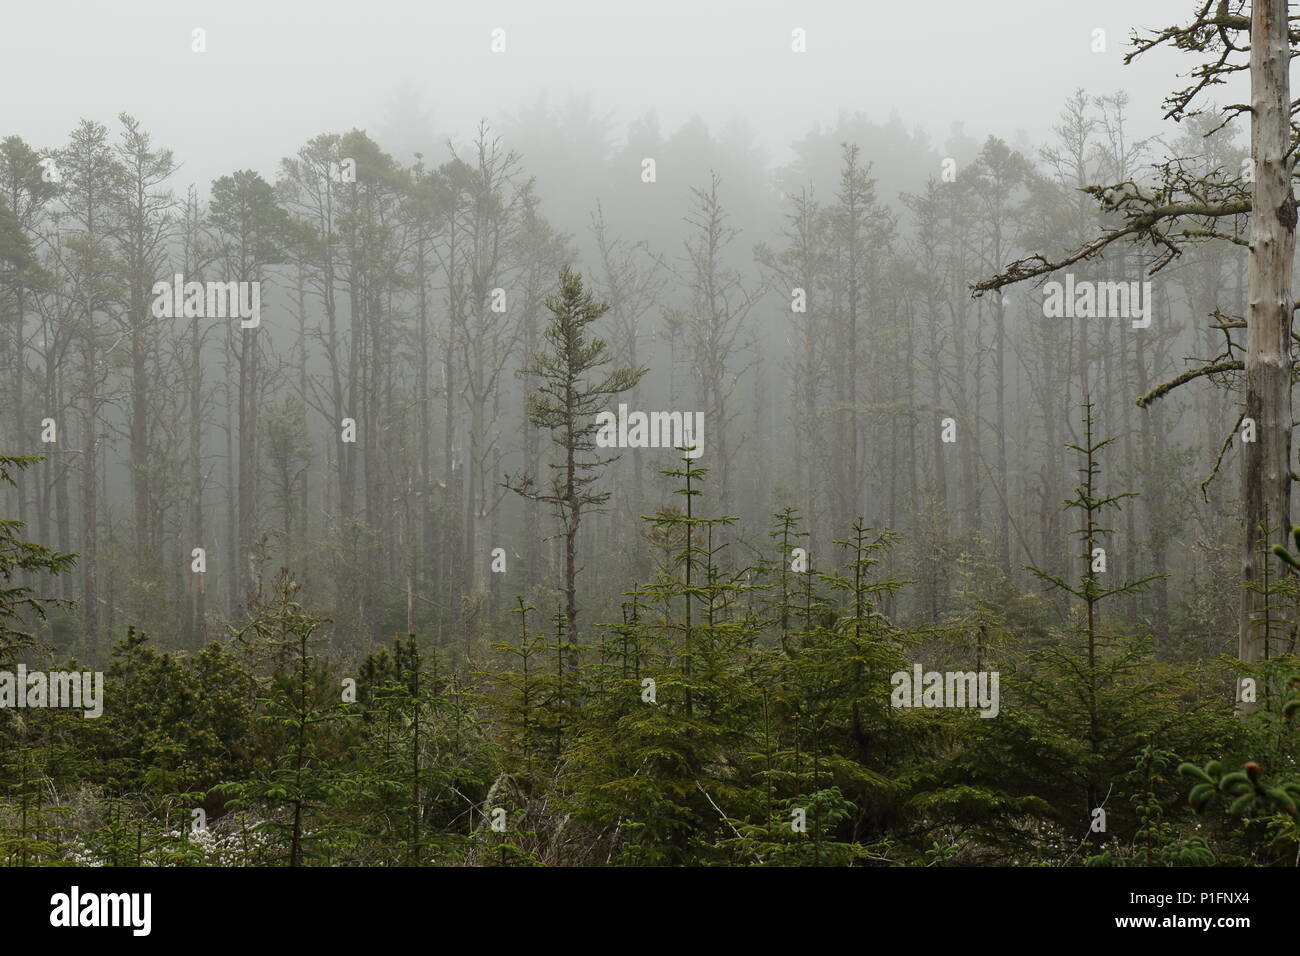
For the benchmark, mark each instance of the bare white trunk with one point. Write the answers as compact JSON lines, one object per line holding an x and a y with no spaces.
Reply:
{"x":1266,"y":477}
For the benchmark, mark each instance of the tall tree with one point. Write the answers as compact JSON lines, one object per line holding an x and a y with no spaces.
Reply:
{"x":487,"y":331}
{"x":140,"y":232}
{"x":716,"y":330}
{"x":92,"y":180}
{"x":571,"y":390}
{"x":26,"y":192}
{"x":250,"y":228}
{"x":802,"y":271}
{"x":997,"y":176}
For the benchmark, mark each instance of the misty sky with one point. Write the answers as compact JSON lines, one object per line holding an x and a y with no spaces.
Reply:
{"x":278,"y":72}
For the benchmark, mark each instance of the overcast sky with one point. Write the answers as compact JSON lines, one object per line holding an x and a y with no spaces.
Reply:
{"x":277,"y":72}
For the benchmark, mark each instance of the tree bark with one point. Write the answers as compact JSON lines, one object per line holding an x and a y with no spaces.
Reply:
{"x":1266,"y":476}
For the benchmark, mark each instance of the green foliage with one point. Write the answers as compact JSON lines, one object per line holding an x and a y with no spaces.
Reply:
{"x":1286,"y":556}
{"x":1157,"y":841}
{"x":19,"y":559}
{"x":1244,"y":793}
{"x":735,"y":714}
{"x":296,"y":778}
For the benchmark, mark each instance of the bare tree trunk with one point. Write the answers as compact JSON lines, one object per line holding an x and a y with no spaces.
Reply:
{"x":89,"y":496}
{"x":196,"y":634}
{"x":1266,"y":475}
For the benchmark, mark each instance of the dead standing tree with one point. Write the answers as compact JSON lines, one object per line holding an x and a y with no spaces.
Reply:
{"x":1179,"y":208}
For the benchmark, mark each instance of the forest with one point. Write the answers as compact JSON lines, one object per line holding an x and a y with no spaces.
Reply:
{"x":560,"y":493}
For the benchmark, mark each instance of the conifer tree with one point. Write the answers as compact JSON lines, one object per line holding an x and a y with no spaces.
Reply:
{"x":520,"y":699}
{"x":1076,"y":713}
{"x":1091,"y":505}
{"x":30,"y":827}
{"x":19,"y":560}
{"x":298,"y":706}
{"x":571,"y":389}
{"x":654,"y":765}
{"x":393,"y":722}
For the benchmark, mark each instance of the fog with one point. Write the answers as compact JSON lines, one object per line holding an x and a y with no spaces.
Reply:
{"x":276,"y":74}
{"x":510,"y":366}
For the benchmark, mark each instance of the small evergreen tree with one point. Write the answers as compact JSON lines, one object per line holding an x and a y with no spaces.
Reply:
{"x":19,"y":560}
{"x":299,"y":705}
